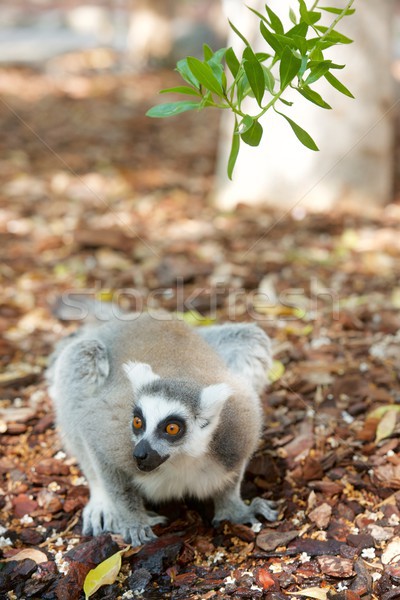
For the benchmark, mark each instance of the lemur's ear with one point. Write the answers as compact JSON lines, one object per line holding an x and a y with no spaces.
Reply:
{"x":139,"y":374}
{"x":213,"y":398}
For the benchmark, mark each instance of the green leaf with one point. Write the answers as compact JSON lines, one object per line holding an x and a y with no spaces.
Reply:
{"x":315,"y":53}
{"x":218,"y":55}
{"x":300,"y":133}
{"x":271,"y":39}
{"x":285,"y":40}
{"x":181,"y":89}
{"x":171,"y":108}
{"x":338,"y":85}
{"x":269,"y":79}
{"x":313,"y":96}
{"x":104,"y":574}
{"x":255,"y":74}
{"x":286,"y":102}
{"x":301,"y":44}
{"x":318,"y":70}
{"x":204,"y":74}
{"x":253,"y":135}
{"x":276,"y":23}
{"x":262,"y":56}
{"x":219,"y":73}
{"x":243,"y":88}
{"x":262,"y":17}
{"x":245,"y":124}
{"x":303,"y":10}
{"x":300,"y":29}
{"x":238,"y":33}
{"x":337,"y":11}
{"x":289,"y":67}
{"x":183,"y":69}
{"x":292,"y":16}
{"x":207,"y":52}
{"x":232,"y":61}
{"x":234,"y":150}
{"x":334,"y":36}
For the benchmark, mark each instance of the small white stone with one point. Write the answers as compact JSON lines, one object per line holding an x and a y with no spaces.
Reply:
{"x":304,"y":557}
{"x":127,"y":595}
{"x":368,"y":553}
{"x":342,"y":586}
{"x":60,"y":455}
{"x":53,"y":486}
{"x":230,"y":580}
{"x":347,"y":418}
{"x":79,"y":481}
{"x":256,"y":527}
{"x":4,"y":542}
{"x":276,"y":568}
{"x":26,"y":520}
{"x":394,"y":520}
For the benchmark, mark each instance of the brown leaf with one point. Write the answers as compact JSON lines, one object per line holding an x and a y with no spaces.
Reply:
{"x":321,"y":515}
{"x":52,"y":466}
{"x":336,"y":566}
{"x":23,"y":505}
{"x":264,"y":578}
{"x":270,"y":539}
{"x":111,"y":238}
{"x":36,"y":555}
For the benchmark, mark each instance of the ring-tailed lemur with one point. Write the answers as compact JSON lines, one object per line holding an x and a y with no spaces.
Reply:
{"x":155,"y":410}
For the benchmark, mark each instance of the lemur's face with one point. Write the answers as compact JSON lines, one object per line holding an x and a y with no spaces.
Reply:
{"x":171,"y":416}
{"x":160,"y":430}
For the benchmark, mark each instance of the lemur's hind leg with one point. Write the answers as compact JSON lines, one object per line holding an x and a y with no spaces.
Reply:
{"x":245,"y":349}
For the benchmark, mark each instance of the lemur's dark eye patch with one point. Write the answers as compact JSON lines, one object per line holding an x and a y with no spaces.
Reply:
{"x":172,"y":428}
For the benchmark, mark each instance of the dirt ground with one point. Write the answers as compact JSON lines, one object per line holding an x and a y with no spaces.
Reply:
{"x":97,"y":199}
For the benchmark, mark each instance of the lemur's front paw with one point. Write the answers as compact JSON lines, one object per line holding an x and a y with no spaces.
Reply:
{"x":247,"y":513}
{"x":135,"y":529}
{"x":265,"y":508}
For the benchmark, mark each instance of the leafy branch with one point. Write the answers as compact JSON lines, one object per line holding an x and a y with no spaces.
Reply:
{"x":294,"y":59}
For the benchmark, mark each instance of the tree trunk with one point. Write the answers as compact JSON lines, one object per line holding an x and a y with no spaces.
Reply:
{"x":355,"y":138}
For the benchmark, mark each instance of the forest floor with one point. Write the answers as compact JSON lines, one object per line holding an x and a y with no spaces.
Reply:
{"x":96,"y":198}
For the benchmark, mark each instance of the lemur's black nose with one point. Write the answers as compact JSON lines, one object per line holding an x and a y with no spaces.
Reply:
{"x":146,"y":457}
{"x":142,"y":450}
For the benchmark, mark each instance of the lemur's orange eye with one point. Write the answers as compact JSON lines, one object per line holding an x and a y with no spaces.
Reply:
{"x":172,"y":429}
{"x":137,"y":423}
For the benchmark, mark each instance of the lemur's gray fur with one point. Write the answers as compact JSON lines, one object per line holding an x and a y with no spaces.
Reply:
{"x":165,"y":376}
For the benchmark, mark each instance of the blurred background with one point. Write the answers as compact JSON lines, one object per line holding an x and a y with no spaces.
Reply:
{"x":95,"y":193}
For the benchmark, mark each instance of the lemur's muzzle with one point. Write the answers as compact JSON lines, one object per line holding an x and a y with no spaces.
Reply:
{"x":147,"y":459}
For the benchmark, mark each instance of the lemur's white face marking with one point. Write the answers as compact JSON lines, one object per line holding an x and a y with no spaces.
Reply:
{"x":171,"y":417}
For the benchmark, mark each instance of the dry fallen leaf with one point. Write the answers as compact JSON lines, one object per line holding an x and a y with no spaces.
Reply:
{"x":276,"y":371}
{"x":386,"y":425}
{"x":392,"y":551}
{"x":104,"y":574}
{"x":36,"y":555}
{"x":313,"y":592}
